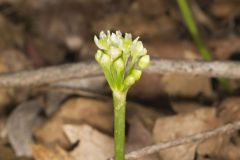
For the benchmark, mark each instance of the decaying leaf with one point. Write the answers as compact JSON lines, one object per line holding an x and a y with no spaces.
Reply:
{"x":92,"y":143}
{"x":185,"y":86}
{"x":41,"y":152}
{"x":187,"y":107}
{"x":98,"y":114}
{"x":181,"y":125}
{"x":20,"y":125}
{"x":138,"y":137}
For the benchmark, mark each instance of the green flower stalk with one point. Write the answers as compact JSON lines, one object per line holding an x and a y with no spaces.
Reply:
{"x":122,"y":60}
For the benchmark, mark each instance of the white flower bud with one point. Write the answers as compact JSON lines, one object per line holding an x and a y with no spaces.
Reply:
{"x":144,"y":61}
{"x":108,"y":33}
{"x":137,"y":49}
{"x":116,"y":40}
{"x":128,"y":36}
{"x":119,"y":34}
{"x":135,"y":41}
{"x":102,"y":35}
{"x":114,"y":52}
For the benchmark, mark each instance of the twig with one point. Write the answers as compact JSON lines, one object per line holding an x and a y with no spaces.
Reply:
{"x":48,"y":75}
{"x":226,"y":129}
{"x":224,"y":69}
{"x":78,"y":91}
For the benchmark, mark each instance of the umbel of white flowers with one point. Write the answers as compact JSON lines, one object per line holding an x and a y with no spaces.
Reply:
{"x":121,"y":58}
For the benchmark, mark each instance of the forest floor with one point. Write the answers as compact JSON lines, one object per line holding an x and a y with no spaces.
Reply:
{"x":74,"y":121}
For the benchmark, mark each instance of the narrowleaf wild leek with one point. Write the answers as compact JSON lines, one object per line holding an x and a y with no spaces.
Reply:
{"x":193,"y":29}
{"x":122,"y":60}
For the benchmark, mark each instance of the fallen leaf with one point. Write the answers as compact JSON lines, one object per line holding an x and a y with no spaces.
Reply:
{"x":20,"y":124}
{"x":186,"y":107}
{"x":92,"y":143}
{"x":98,"y":114}
{"x":172,"y":127}
{"x":185,"y":85}
{"x":138,"y":137}
{"x":41,"y":152}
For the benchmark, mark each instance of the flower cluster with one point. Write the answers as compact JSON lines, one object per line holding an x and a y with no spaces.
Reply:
{"x":121,"y":58}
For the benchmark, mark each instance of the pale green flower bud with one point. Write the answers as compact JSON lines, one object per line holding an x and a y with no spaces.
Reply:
{"x":119,"y":65}
{"x":127,"y":41}
{"x":144,"y":61}
{"x":137,"y":49}
{"x":101,"y":43}
{"x":136,"y":74}
{"x":105,"y":59}
{"x":98,"y":56}
{"x":130,"y":80}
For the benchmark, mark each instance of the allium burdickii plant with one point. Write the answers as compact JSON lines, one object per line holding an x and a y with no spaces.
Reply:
{"x":122,"y":60}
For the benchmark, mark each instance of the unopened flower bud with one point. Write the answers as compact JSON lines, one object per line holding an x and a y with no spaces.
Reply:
{"x":102,"y":35}
{"x":144,"y":61}
{"x":101,"y":43}
{"x":105,"y":59}
{"x":119,"y":65}
{"x":98,"y":55}
{"x":130,"y":80}
{"x":136,"y":74}
{"x":114,"y":52}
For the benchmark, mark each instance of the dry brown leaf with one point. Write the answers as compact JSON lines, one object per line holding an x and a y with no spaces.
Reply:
{"x":20,"y":124}
{"x":92,"y":143}
{"x":138,"y":137}
{"x":186,"y":107}
{"x":145,"y":114}
{"x":98,"y":114}
{"x":6,"y":153}
{"x":186,"y":86}
{"x":226,"y":146}
{"x":41,"y":152}
{"x":229,"y":109}
{"x":181,"y":125}
{"x":224,"y":8}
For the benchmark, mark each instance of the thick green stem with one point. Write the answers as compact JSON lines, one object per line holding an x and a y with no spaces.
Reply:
{"x":119,"y":100}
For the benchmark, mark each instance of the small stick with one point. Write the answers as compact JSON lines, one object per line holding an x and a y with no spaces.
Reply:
{"x":224,"y":69}
{"x":226,"y":129}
